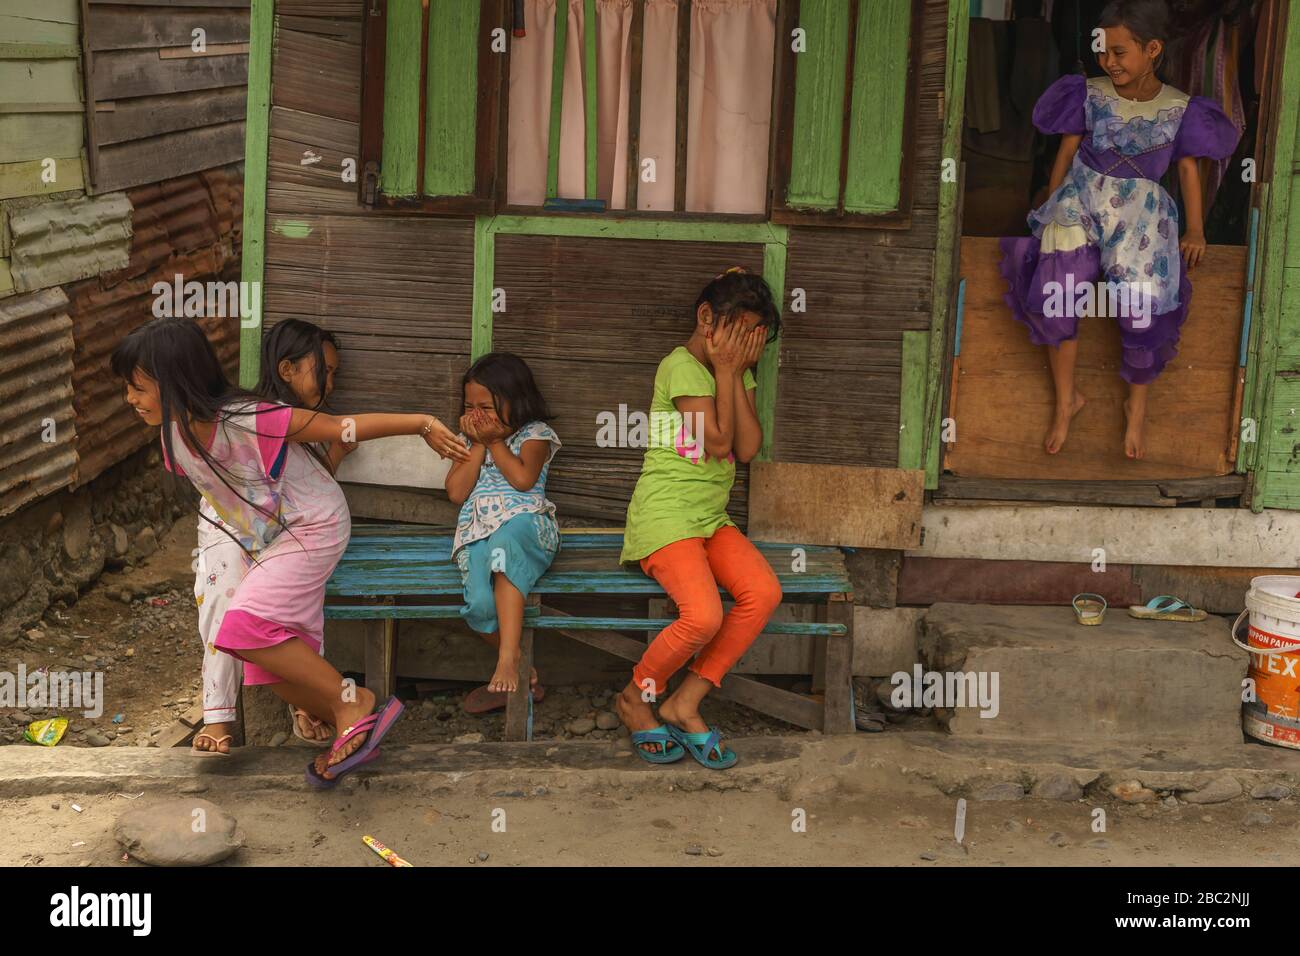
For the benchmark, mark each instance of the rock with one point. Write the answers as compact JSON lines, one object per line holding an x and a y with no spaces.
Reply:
{"x":474,"y":738}
{"x":164,"y":834}
{"x":96,"y":739}
{"x":1219,"y":790}
{"x":1058,"y":839}
{"x":1270,"y":791}
{"x":482,"y":857}
{"x":1170,"y":802}
{"x":1131,"y":791}
{"x":1257,"y":818}
{"x":1056,"y":786}
{"x":1098,"y":844}
{"x":1014,"y":826}
{"x":120,"y":541}
{"x":279,"y":738}
{"x":999,"y":792}
{"x":35,"y":634}
{"x":17,"y":577}
{"x":581,"y":726}
{"x":607,"y":720}
{"x":193,"y":786}
{"x":146,"y":542}
{"x":695,"y":850}
{"x":508,"y":793}
{"x":713,"y":851}
{"x":929,"y":856}
{"x":427,"y":707}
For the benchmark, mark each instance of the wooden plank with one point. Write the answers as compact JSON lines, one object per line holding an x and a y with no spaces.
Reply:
{"x":33,"y":136}
{"x":769,"y":364}
{"x":141,"y":117}
{"x":484,"y":272}
{"x":517,"y":723}
{"x":253,"y":235}
{"x":122,"y":73}
{"x":1144,"y":493}
{"x":925,"y":581}
{"x":380,"y":657}
{"x":113,"y":28}
{"x":1189,"y":416}
{"x":557,"y":100}
{"x":835,"y":504}
{"x":57,"y":23}
{"x":211,"y":49}
{"x":92,"y":126}
{"x":25,"y":179}
{"x":178,"y":3}
{"x":872,"y":183}
{"x":39,"y":51}
{"x":674,"y":230}
{"x":819,"y":105}
{"x":451,"y":109}
{"x":837,"y":716}
{"x":911,"y":400}
{"x":40,"y":81}
{"x":399,"y":170}
{"x":141,"y":161}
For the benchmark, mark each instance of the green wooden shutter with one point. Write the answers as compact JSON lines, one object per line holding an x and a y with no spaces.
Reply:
{"x":861,"y":177}
{"x":449,"y":59}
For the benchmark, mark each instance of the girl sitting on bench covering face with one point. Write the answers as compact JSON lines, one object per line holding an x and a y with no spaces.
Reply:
{"x":506,"y":535}
{"x":702,"y":419}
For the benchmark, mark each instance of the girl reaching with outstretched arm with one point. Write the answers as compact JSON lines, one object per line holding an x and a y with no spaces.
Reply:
{"x":245,"y":457}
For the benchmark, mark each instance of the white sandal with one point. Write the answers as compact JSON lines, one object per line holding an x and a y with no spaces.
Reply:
{"x":293,"y":722}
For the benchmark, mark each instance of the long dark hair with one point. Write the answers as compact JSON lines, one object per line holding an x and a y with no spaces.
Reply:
{"x":292,"y":340}
{"x":511,"y":381}
{"x":176,"y":354}
{"x":737,"y":291}
{"x":1147,"y":20}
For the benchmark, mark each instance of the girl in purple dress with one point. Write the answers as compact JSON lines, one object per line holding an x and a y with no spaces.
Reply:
{"x":1106,"y":241}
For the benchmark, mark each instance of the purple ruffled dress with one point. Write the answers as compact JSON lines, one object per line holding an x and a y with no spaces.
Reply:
{"x":1110,"y":220}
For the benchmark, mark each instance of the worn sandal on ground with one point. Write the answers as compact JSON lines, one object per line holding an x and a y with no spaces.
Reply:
{"x":216,"y":742}
{"x":483,"y":701}
{"x":670,"y":751}
{"x":375,"y":726}
{"x":1166,"y":607}
{"x":1089,"y":608}
{"x":705,"y":747}
{"x":293,"y":722}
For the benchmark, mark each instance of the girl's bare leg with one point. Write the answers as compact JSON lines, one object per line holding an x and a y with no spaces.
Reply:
{"x":308,"y":681}
{"x":510,"y":620}
{"x":1062,"y":359}
{"x":494,"y":640}
{"x":1135,"y":410}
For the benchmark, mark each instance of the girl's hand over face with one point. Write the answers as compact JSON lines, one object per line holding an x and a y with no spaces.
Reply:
{"x":755,"y":343}
{"x":1193,"y":248}
{"x":469,"y":425}
{"x":725,"y":347}
{"x":444,"y":441}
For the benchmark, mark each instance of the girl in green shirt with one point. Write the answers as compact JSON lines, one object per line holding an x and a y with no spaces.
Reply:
{"x":703,"y":418}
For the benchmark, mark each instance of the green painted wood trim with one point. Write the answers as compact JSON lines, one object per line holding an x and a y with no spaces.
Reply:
{"x":484,"y":275}
{"x":557,"y":99}
{"x":943,"y":288}
{"x":1269,"y":291}
{"x":591,"y":99}
{"x":911,"y":400}
{"x":670,"y":229}
{"x":879,"y":103}
{"x":398,"y":165}
{"x":769,"y":364}
{"x":451,"y":99}
{"x":257,"y":123}
{"x":39,"y":51}
{"x":819,"y":92}
{"x":1246,"y":450}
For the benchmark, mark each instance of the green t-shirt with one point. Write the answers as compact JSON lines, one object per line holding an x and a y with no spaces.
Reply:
{"x":681,"y":493}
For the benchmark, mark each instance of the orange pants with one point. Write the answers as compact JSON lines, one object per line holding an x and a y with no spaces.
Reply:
{"x":690,"y":571}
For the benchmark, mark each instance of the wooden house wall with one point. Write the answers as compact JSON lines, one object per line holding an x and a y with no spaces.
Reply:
{"x":396,"y":290}
{"x":841,"y":360}
{"x":161,"y":109}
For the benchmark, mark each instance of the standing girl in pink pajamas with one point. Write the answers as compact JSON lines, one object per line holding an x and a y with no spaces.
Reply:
{"x":244,"y":455}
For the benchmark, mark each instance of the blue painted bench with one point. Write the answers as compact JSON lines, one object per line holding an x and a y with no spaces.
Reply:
{"x":392,"y":573}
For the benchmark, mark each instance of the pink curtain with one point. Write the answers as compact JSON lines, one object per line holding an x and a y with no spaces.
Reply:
{"x":729,"y":114}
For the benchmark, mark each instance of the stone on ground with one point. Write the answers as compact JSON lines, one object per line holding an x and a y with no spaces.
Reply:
{"x":179,"y":832}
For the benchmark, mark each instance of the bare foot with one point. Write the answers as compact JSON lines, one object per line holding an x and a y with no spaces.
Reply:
{"x":506,"y":677}
{"x":636,"y":715}
{"x":1135,"y":435}
{"x":207,"y":738}
{"x":345,"y":716}
{"x":1061,"y":424}
{"x":310,"y":727}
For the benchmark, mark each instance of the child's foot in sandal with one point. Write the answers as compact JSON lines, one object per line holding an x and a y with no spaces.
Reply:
{"x":347,"y":716}
{"x":212,"y":741}
{"x":309,"y":728}
{"x":697,"y":737}
{"x":639,"y":717}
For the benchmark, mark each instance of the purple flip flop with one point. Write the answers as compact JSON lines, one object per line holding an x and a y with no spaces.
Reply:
{"x":375,"y":725}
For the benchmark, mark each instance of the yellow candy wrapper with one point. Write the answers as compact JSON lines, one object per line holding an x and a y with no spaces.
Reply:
{"x":47,"y":733}
{"x":389,"y":857}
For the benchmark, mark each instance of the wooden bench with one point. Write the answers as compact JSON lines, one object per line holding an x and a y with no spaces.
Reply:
{"x":392,"y":573}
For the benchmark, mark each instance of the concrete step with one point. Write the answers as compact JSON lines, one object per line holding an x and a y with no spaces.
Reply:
{"x":1157,"y":683}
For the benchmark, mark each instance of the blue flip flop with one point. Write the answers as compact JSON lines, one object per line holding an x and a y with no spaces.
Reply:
{"x":670,"y":750}
{"x":703,"y":746}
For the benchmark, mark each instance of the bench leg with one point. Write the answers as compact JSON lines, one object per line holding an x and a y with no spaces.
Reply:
{"x":839,"y":668}
{"x":517,"y":722}
{"x":381,"y":660}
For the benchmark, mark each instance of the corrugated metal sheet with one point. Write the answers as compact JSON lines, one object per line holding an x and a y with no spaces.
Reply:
{"x":36,"y":417}
{"x":58,"y":242}
{"x":180,"y":228}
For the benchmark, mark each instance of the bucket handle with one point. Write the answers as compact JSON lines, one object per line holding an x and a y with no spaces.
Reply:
{"x":1236,"y":627}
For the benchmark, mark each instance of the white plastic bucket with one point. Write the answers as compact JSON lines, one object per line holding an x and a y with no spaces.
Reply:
{"x":1273,"y":640}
